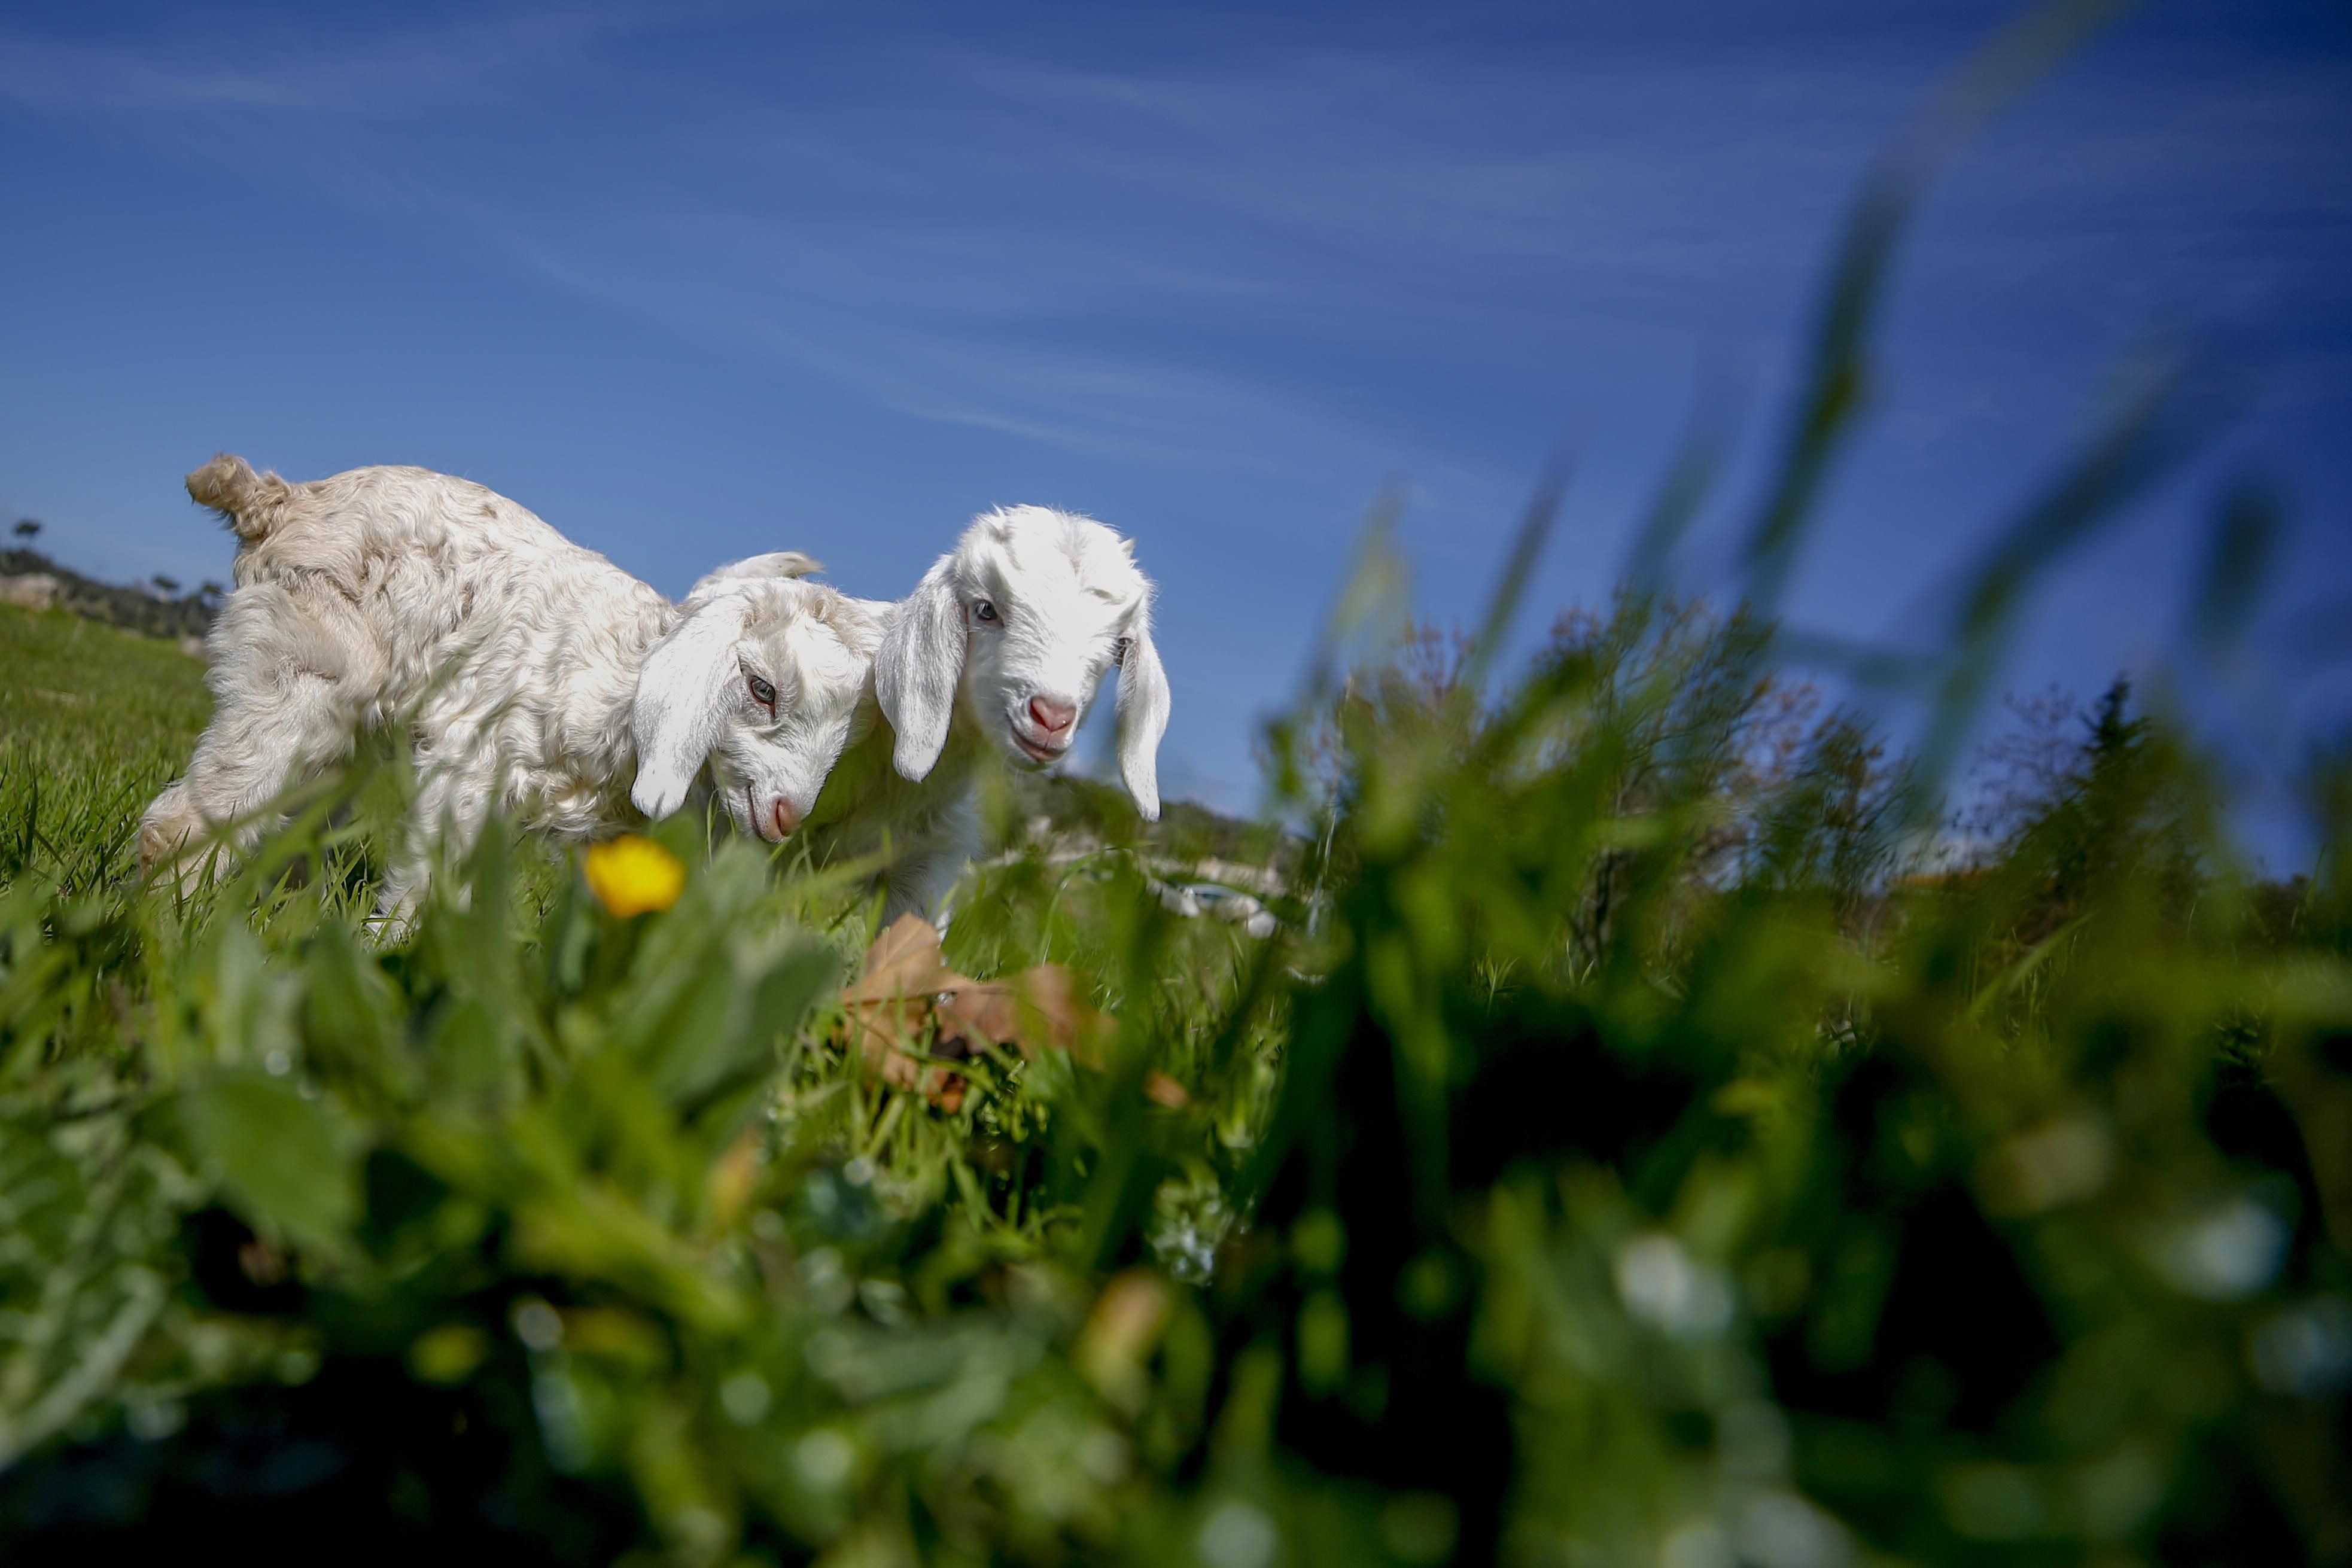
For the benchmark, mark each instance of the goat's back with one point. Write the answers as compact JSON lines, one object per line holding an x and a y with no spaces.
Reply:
{"x":425,"y":568}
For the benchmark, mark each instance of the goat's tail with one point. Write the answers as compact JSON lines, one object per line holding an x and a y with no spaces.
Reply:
{"x":248,"y":502}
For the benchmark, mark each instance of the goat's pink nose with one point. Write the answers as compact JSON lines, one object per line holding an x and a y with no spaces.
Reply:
{"x":786,"y":818}
{"x":1052,"y":714}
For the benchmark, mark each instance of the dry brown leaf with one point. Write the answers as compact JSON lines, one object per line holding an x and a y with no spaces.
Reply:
{"x":1162,"y":1089}
{"x":904,"y":1067}
{"x":904,"y":961}
{"x":1120,"y":1332}
{"x":1037,"y":1009}
{"x":975,"y":1015}
{"x":890,"y":1002}
{"x":908,"y":1010}
{"x":945,"y":1091}
{"x":260,"y":1263}
{"x":732,"y":1178}
{"x":1054,"y":1000}
{"x":887,"y":1034}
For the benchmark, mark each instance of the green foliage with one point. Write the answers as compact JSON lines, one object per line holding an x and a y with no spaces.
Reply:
{"x":1628,"y":1163}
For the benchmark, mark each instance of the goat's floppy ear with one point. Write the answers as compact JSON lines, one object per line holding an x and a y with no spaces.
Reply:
{"x":681,"y":700}
{"x":1142,"y":719}
{"x":775,"y":563}
{"x":919,"y":667}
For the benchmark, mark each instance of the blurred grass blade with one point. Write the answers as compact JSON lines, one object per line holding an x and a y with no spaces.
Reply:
{"x":1691,"y":475}
{"x":1369,"y":597}
{"x":1835,"y":383}
{"x":2238,"y":559}
{"x":2166,"y":410}
{"x":1519,"y":570}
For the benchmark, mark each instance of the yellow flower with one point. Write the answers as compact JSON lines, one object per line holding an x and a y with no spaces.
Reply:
{"x":633,"y":874}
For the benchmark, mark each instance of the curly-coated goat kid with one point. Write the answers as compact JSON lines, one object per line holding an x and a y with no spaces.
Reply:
{"x":533,"y":677}
{"x":998,"y":652}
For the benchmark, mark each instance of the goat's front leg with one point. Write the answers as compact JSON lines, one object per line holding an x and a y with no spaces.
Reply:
{"x":286,"y":697}
{"x":445,"y":823}
{"x":924,"y":873}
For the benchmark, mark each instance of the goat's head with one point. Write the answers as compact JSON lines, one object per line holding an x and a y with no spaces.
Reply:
{"x":1012,"y":632}
{"x":765,"y":677}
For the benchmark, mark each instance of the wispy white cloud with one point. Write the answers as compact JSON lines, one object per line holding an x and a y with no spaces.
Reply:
{"x":392,"y":72}
{"x":1120,"y":261}
{"x":973,"y":322}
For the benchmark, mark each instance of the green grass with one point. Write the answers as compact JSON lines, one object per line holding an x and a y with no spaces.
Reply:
{"x":1616,"y":1155}
{"x":93,"y":722}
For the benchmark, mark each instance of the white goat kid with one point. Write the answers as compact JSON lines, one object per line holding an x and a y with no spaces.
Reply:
{"x":999,"y":649}
{"x":768,"y":678}
{"x":534,"y":676}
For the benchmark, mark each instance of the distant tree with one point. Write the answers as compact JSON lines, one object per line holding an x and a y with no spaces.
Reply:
{"x":210,"y":589}
{"x":28,"y":529}
{"x":2088,"y":799}
{"x":166,"y":585}
{"x":2023,"y":767}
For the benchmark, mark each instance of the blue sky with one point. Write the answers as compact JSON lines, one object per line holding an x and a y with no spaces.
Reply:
{"x":697,"y":280}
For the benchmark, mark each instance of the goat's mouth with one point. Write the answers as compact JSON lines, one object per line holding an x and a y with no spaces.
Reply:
{"x":769,"y":824}
{"x":753,"y":819}
{"x":1041,"y":755}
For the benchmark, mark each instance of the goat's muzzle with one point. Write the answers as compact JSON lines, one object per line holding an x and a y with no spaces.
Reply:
{"x":1043,"y":731}
{"x":1053,"y":716}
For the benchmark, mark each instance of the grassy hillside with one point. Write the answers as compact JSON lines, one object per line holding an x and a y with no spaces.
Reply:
{"x":95,"y":719}
{"x":93,"y":722}
{"x":156,"y":612}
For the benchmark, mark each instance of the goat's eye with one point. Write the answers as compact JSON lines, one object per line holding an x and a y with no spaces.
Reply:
{"x":1118,"y":651}
{"x":762,"y":693}
{"x":982,"y":611}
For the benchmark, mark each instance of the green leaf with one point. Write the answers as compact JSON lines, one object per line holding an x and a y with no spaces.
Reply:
{"x":350,"y":1017}
{"x":287,"y":1162}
